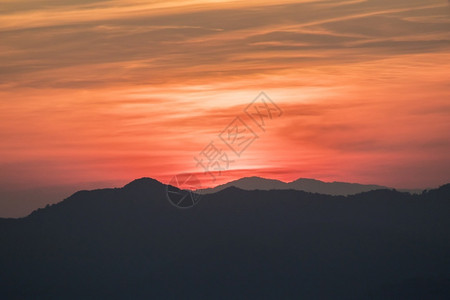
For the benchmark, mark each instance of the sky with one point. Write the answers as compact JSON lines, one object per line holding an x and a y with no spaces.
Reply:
{"x":97,"y":93}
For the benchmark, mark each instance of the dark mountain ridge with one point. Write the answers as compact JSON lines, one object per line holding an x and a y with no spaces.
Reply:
{"x":334,"y":188}
{"x":131,"y":242}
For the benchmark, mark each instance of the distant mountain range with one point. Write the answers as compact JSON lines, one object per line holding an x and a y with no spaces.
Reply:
{"x":131,"y":243}
{"x":301,"y":184}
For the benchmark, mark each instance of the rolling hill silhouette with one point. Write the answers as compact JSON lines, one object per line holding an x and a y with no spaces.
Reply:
{"x":301,"y":184}
{"x":132,"y":243}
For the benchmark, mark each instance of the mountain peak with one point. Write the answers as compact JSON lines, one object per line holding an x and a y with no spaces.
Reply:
{"x":256,"y":179}
{"x":143,"y":182}
{"x":306,"y":180}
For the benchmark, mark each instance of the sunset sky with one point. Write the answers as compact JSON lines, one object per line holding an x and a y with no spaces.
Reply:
{"x":98,"y":93}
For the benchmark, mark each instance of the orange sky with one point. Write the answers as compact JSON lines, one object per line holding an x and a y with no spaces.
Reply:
{"x":108,"y":91}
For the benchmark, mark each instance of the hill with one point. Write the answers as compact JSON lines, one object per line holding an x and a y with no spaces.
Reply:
{"x":301,"y":184}
{"x":132,"y":243}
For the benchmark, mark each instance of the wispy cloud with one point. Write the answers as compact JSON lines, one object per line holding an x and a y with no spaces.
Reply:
{"x":97,"y":90}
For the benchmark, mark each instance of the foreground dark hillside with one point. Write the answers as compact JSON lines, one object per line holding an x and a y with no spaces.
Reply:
{"x":131,"y":243}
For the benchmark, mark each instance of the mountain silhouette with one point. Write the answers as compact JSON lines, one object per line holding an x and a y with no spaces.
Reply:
{"x":132,"y":243}
{"x":301,"y":184}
